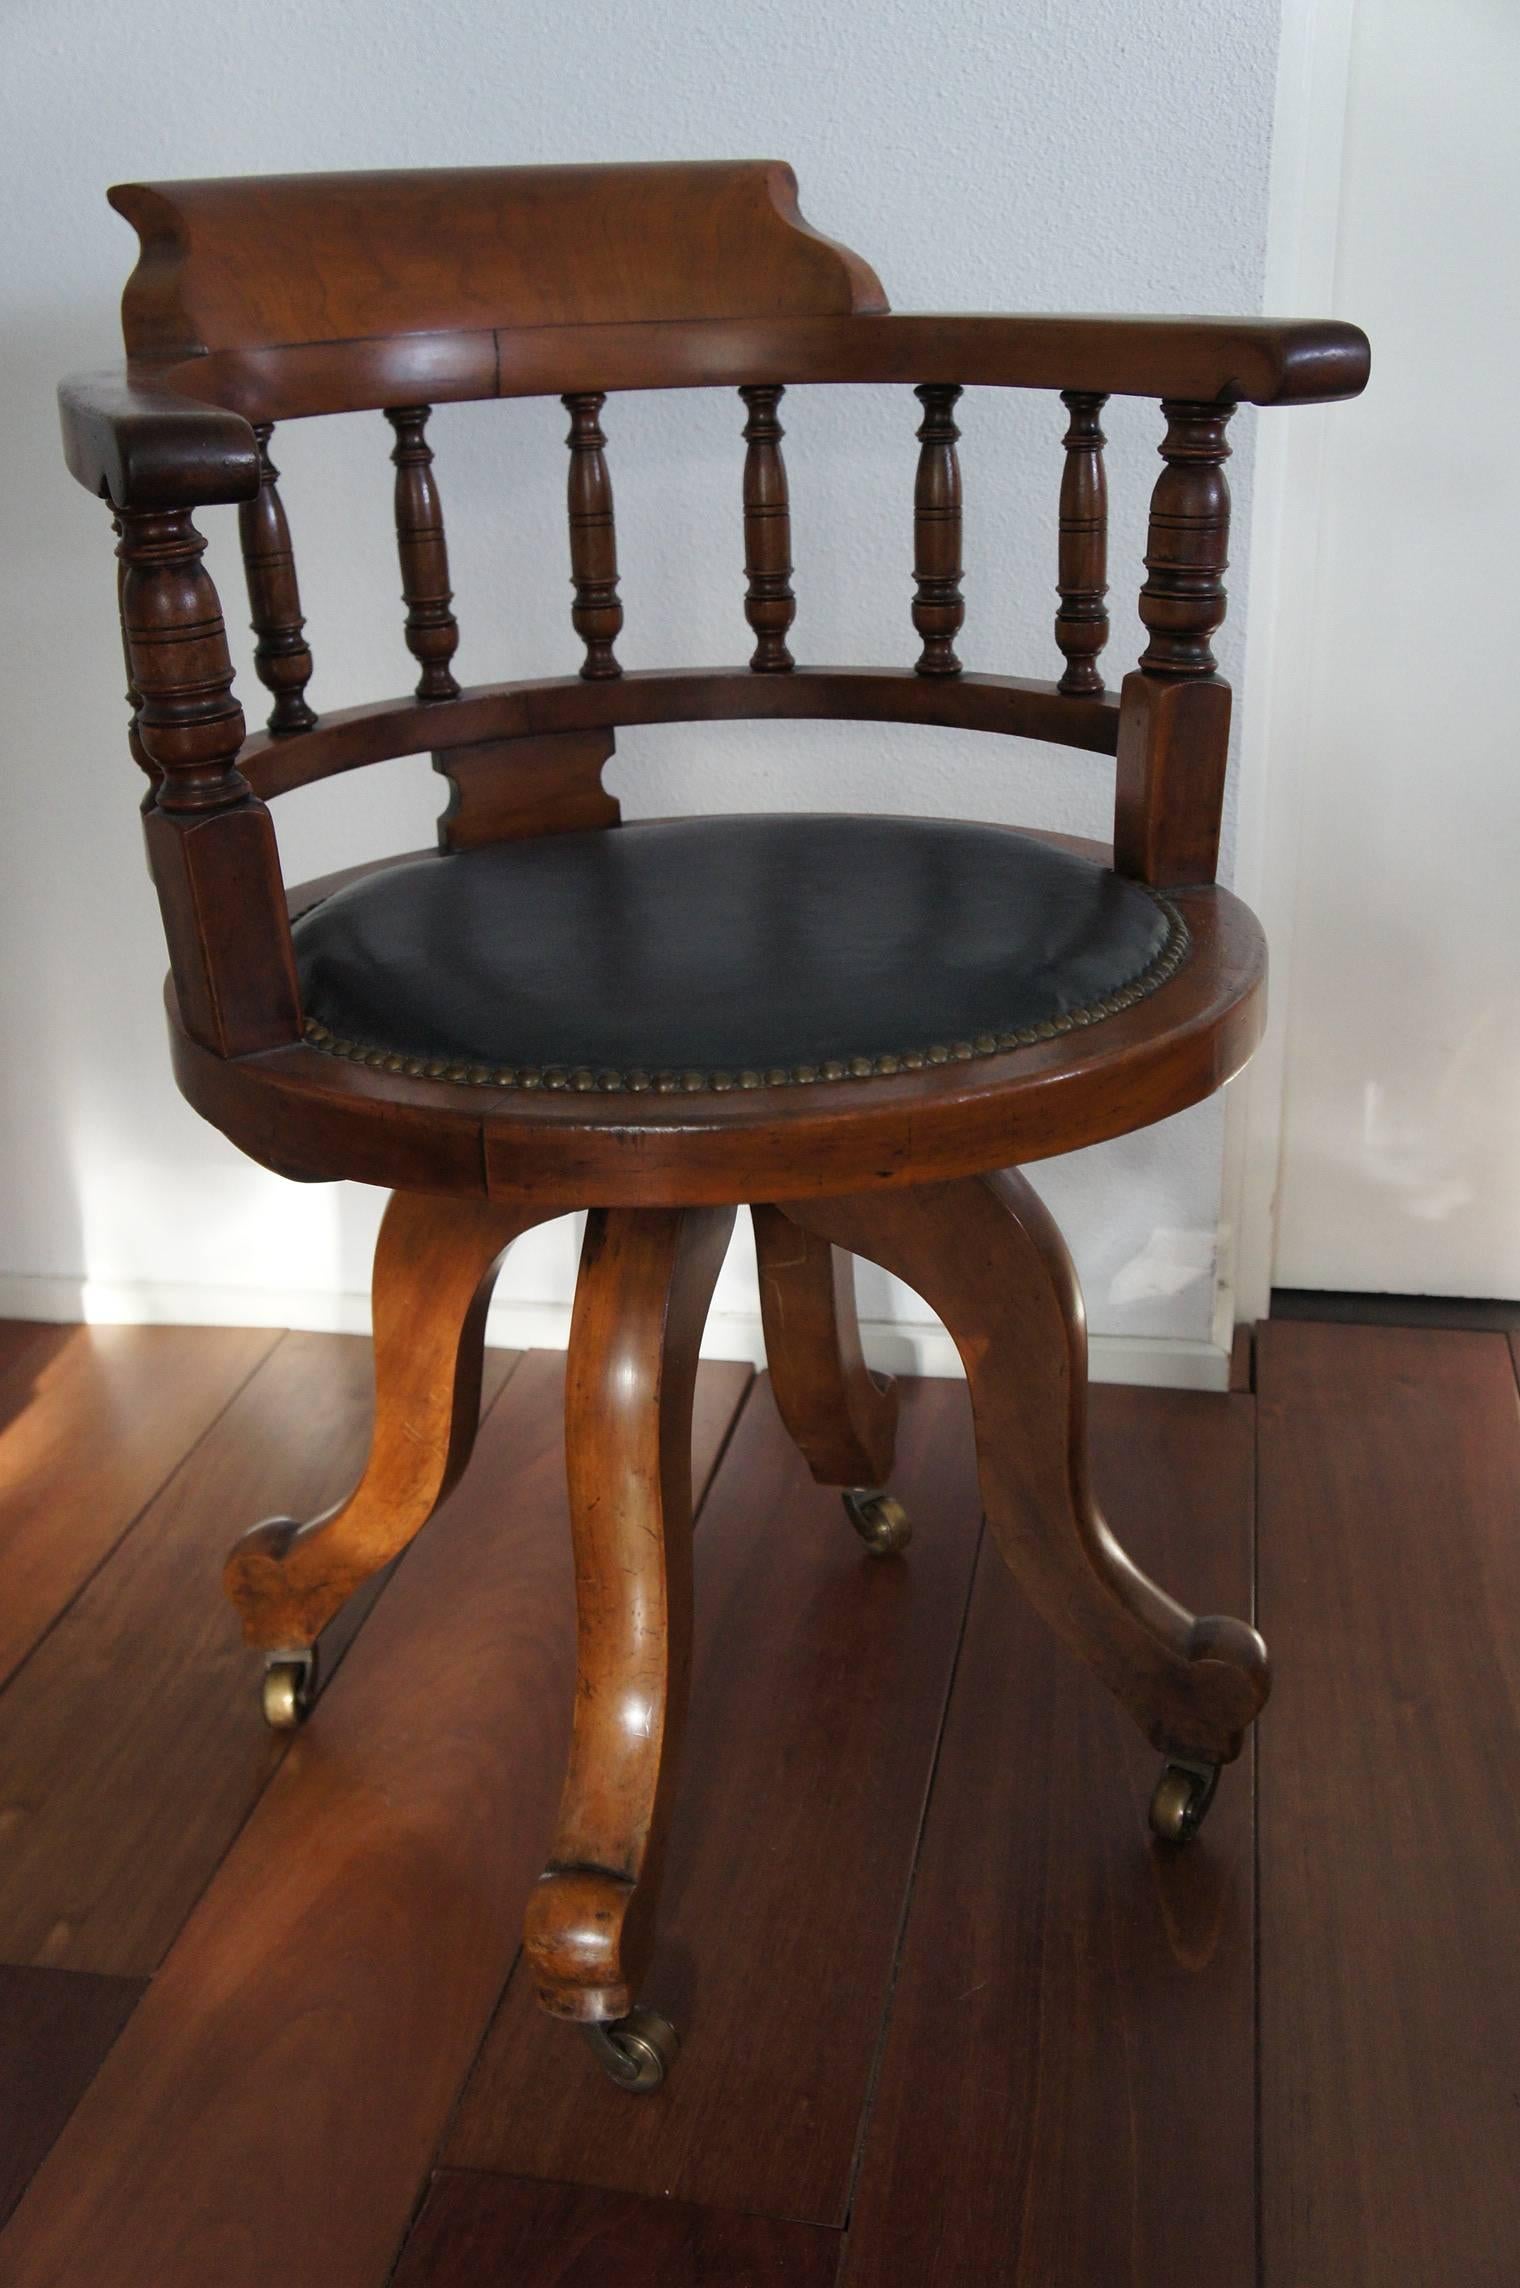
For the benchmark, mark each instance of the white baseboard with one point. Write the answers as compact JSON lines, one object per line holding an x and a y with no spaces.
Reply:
{"x":898,"y":1346}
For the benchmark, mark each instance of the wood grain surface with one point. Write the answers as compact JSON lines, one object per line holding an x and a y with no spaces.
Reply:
{"x":1390,"y":1808}
{"x":1066,"y":2093}
{"x":1059,"y":2078}
{"x":87,"y":1437}
{"x":475,"y":2229}
{"x":132,"y":1745}
{"x":286,"y":2079}
{"x":25,"y":1346}
{"x":55,"y":2028}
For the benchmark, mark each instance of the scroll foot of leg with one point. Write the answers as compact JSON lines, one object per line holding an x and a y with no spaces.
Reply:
{"x":986,"y":1256}
{"x":435,"y":1263}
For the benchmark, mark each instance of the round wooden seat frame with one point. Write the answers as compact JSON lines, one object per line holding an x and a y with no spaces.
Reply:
{"x":271,"y":298}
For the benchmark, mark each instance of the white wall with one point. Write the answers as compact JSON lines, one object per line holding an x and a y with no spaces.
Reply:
{"x":1401,"y":1113}
{"x":1065,"y":154}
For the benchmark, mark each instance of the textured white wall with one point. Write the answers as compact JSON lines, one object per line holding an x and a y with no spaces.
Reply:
{"x":1401,"y":1111}
{"x":1063,"y":154}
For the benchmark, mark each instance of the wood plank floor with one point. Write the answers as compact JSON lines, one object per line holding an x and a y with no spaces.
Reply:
{"x":950,"y":2019}
{"x":1390,"y":1819}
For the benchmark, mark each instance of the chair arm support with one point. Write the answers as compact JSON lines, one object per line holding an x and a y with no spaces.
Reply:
{"x":140,"y":445}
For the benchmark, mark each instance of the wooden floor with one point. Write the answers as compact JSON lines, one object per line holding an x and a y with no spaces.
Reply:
{"x":949,"y":2017}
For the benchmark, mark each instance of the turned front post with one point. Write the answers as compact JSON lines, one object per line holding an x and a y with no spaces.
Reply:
{"x":1187,"y":550}
{"x":1174,"y":717}
{"x":211,"y":846}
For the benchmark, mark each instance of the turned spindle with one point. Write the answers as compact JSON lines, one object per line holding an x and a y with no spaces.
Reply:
{"x":769,"y":605}
{"x":596,"y":612}
{"x":281,"y":657}
{"x":432,"y":632}
{"x":1082,"y":561}
{"x":938,"y":610}
{"x":1183,"y":600}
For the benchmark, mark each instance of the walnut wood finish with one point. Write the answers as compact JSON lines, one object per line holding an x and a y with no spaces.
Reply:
{"x":841,"y":1415}
{"x":501,"y":789}
{"x":348,"y":738}
{"x":1389,"y":1459}
{"x":1183,"y":599}
{"x":475,"y":2228}
{"x":432,"y":632}
{"x":988,"y":1258}
{"x":211,"y":847}
{"x":170,"y":433}
{"x":351,"y":1925}
{"x":56,"y":2029}
{"x":189,"y":722}
{"x":1107,"y":2137}
{"x":278,"y":258}
{"x":1082,"y":566}
{"x":1065,"y":2094}
{"x":368,"y":1913}
{"x":820,"y":1681}
{"x":67,"y":1497}
{"x":435,"y":1265}
{"x":312,"y":1116}
{"x":769,"y":605}
{"x":133,"y":695}
{"x":26,"y":1346}
{"x":131,"y":1735}
{"x":1174,"y":739}
{"x":259,"y":299}
{"x":640,"y":1305}
{"x":938,"y":610}
{"x":596,"y":612}
{"x":140,"y":444}
{"x":281,"y":655}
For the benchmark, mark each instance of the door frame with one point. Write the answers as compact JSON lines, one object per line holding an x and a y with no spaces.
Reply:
{"x":1285,"y":573}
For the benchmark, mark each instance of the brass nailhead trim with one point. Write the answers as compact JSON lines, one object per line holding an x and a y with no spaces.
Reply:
{"x":609,"y":1082}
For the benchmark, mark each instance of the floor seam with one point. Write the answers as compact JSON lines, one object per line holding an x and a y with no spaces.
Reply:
{"x":160,"y":1488}
{"x":868,"y":2102}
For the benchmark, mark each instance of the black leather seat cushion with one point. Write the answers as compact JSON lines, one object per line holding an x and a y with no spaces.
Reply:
{"x":723,"y":952}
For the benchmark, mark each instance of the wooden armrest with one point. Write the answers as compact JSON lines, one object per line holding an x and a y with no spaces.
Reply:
{"x":141,"y":446}
{"x":1214,"y":361}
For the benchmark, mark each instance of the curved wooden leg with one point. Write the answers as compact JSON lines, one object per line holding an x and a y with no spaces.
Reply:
{"x":435,"y":1264}
{"x":842,"y":1417}
{"x":985,"y":1254}
{"x":646,"y":1279}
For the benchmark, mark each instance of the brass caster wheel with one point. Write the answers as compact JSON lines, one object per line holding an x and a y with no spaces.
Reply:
{"x":636,"y":2052}
{"x":1182,"y":1798}
{"x":882,"y":1523}
{"x":290,"y":1685}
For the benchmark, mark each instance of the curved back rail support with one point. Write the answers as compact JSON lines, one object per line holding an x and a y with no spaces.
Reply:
{"x":266,"y":299}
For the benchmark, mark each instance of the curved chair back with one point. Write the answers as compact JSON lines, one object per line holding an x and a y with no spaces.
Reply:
{"x":266,"y":299}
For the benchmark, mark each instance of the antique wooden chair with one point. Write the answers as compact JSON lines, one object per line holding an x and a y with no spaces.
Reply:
{"x":858,"y":1026}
